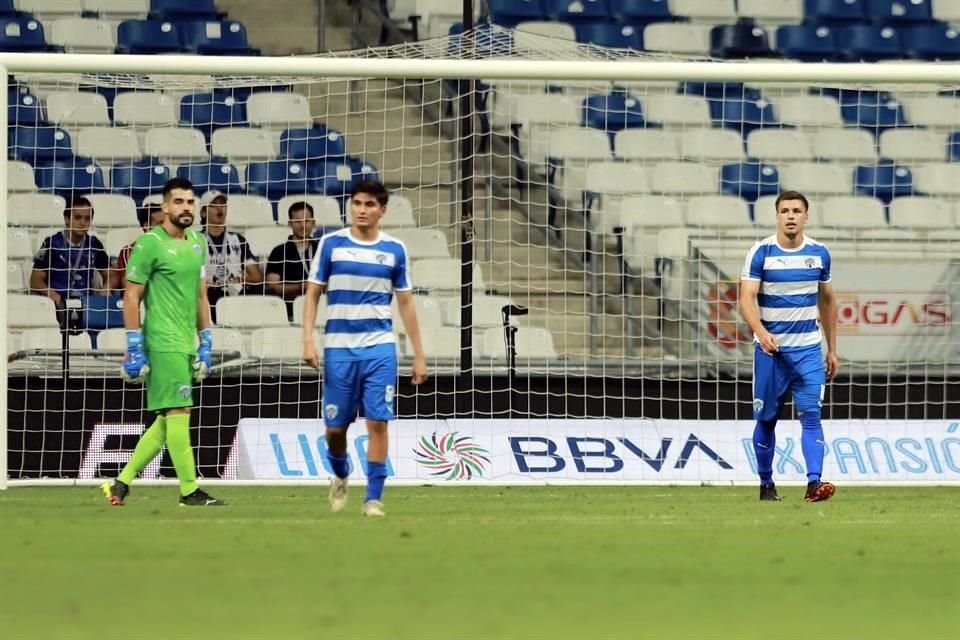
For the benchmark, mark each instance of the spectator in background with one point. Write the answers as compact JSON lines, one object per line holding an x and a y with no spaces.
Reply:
{"x":289,"y":263}
{"x":232,"y":269}
{"x":150,"y":217}
{"x":71,"y":263}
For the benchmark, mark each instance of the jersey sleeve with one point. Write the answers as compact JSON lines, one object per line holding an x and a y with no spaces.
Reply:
{"x":825,"y":274}
{"x":753,"y":266}
{"x":41,"y":261}
{"x":320,"y":267}
{"x":140,"y":264}
{"x":401,"y":270}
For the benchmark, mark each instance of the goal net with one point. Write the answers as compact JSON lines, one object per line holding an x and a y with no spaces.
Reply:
{"x":576,"y":239}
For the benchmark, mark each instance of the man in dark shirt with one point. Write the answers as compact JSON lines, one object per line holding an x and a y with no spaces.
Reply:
{"x":289,"y":263}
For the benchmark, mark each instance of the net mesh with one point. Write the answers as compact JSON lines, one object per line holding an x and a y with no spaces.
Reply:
{"x":615,"y":215}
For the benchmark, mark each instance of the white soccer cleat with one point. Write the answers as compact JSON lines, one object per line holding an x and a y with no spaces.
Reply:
{"x":338,"y":494}
{"x":373,"y":509}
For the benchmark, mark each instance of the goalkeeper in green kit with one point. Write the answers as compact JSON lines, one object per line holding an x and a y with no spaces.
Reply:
{"x":166,"y":271}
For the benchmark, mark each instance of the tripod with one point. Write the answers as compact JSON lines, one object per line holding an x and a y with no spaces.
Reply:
{"x":510,"y":337}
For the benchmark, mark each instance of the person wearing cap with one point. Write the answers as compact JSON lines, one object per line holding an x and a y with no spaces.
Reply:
{"x":232,"y":269}
{"x":150,"y":217}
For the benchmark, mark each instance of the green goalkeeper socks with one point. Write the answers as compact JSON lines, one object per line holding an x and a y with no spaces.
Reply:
{"x":178,"y":444}
{"x":149,"y":445}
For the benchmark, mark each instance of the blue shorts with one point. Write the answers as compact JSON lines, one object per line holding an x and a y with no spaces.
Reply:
{"x":350,"y":384}
{"x":800,"y":371}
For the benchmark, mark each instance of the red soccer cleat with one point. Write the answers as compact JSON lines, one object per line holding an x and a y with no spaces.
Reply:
{"x":819,"y":491}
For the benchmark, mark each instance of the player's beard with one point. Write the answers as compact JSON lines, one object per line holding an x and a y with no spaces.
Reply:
{"x":178,"y":221}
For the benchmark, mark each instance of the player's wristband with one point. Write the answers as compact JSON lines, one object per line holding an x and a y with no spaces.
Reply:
{"x":206,"y":337}
{"x":134,"y":339}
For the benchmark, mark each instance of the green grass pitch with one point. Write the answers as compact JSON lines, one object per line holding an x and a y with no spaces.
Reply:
{"x":482,"y":562}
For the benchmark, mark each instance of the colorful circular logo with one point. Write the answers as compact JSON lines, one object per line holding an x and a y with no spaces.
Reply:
{"x":452,"y":457}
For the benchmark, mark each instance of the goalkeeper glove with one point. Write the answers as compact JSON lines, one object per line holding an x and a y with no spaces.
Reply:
{"x":204,"y":362}
{"x":135,"y":365}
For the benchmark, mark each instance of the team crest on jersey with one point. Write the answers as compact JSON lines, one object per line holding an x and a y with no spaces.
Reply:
{"x":388,"y":393}
{"x":197,"y":249}
{"x":184,"y":391}
{"x":381,"y":258}
{"x":810,"y":263}
{"x":757,"y":405}
{"x":330,"y":411}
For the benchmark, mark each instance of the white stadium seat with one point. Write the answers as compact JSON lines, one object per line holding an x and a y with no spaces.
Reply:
{"x":711,"y":145}
{"x":35,"y":210}
{"x":228,"y":341}
{"x":531,"y":343}
{"x":176,"y":144}
{"x":677,"y":110}
{"x":49,"y":9}
{"x":849,"y":145}
{"x":118,"y":9}
{"x":262,"y":240}
{"x":818,"y":178}
{"x":28,"y":311}
{"x":569,"y":151}
{"x":50,"y":339}
{"x":113,"y":210}
{"x":82,"y":35}
{"x":442,"y":274}
{"x":283,"y":110}
{"x":108,"y":144}
{"x":399,"y":213}
{"x":611,"y":181}
{"x":932,"y":111}
{"x":537,"y":115}
{"x":677,"y":37}
{"x":913,"y":145}
{"x":19,"y":244}
{"x":248,"y":211}
{"x":145,"y":109}
{"x":487,"y":311}
{"x":780,"y":145}
{"x":683,"y":178}
{"x":326,"y":210}
{"x":117,"y":238}
{"x":808,"y":111}
{"x":771,"y":11}
{"x":654,"y":212}
{"x":20,"y":178}
{"x":938,"y":179}
{"x":423,"y":243}
{"x":280,"y":343}
{"x":429,"y":315}
{"x":717,"y":212}
{"x":113,"y":340}
{"x":251,"y":312}
{"x":853,"y":212}
{"x":77,"y":108}
{"x":919,"y":213}
{"x":444,"y":343}
{"x":712,"y":11}
{"x":298,"y":305}
{"x":646,"y":145}
{"x":16,"y":278}
{"x":243,"y":143}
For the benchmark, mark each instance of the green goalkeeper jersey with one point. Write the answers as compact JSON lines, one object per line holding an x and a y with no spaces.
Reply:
{"x":171,"y":270}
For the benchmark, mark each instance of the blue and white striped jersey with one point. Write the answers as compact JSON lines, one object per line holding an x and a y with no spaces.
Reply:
{"x":789,"y":286}
{"x":360,"y":278}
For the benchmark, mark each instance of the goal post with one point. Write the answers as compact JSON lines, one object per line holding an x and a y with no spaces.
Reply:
{"x":612,"y":197}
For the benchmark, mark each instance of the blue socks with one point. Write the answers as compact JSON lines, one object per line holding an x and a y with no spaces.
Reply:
{"x":764,"y":444}
{"x":339,"y":464}
{"x":376,"y":474}
{"x":811,"y":441}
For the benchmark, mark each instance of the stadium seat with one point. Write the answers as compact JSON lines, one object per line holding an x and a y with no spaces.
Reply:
{"x":16,"y":279}
{"x":683,"y":178}
{"x":336,"y":178}
{"x":212,"y":110}
{"x":423,"y":243}
{"x":709,"y":11}
{"x":640,"y":12}
{"x":719,"y":90}
{"x":771,"y":11}
{"x":808,"y":111}
{"x":7,"y":8}
{"x":807,"y":42}
{"x":612,"y":112}
{"x":23,"y":109}
{"x":610,"y":34}
{"x":39,"y":145}
{"x":206,"y":176}
{"x":118,"y":9}
{"x":22,"y":34}
{"x":835,"y":11}
{"x":715,"y":212}
{"x":77,"y":108}
{"x":869,"y":43}
{"x":249,"y":211}
{"x":281,"y":110}
{"x":576,"y":10}
{"x":108,"y":144}
{"x":276,"y":179}
{"x":399,"y":213}
{"x":326,"y":210}
{"x":19,"y":244}
{"x":900,"y":11}
{"x":874,"y":115}
{"x":442,"y":274}
{"x":20,"y":178}
{"x":227,"y":38}
{"x":116,"y":239}
{"x":148,"y":37}
{"x":913,"y":145}
{"x":279,"y":343}
{"x":47,"y":10}
{"x":559,"y":31}
{"x":749,"y":180}
{"x":67,"y":178}
{"x":183,"y":10}
{"x":532,"y":343}
{"x":711,"y":145}
{"x":640,"y":214}
{"x":743,"y":116}
{"x":172,"y":144}
{"x":262,"y":240}
{"x":912,"y":212}
{"x":852,"y":212}
{"x":28,"y":311}
{"x":444,"y":343}
{"x":940,"y":179}
{"x":317,"y":143}
{"x":251,"y":312}
{"x":606,"y":184}
{"x":113,"y":210}
{"x":646,"y":145}
{"x":83,"y":35}
{"x":509,"y":13}
{"x":742,"y":40}
{"x":677,"y":111}
{"x":429,"y":314}
{"x":138,"y":179}
{"x":570,"y":150}
{"x":35,"y":210}
{"x":931,"y":42}
{"x":690,"y":39}
{"x":946,"y":11}
{"x":487,"y":311}
{"x":145,"y":109}
{"x":243,"y":144}
{"x":51,"y":339}
{"x":884,"y":181}
{"x":844,"y":145}
{"x":953,"y":146}
{"x":932,"y":111}
{"x":817,"y":178}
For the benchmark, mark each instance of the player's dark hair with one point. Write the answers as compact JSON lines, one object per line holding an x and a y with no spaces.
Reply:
{"x":792,"y":195}
{"x":371,"y":188}
{"x":176,"y":183}
{"x":144,"y":213}
{"x":296,"y":206}
{"x":78,"y":202}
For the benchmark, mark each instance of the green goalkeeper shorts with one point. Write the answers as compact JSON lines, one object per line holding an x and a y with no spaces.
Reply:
{"x":170,"y":381}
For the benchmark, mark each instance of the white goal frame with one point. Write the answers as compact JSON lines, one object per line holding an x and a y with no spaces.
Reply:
{"x":357,"y":68}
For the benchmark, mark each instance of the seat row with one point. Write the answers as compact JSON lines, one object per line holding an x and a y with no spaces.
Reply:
{"x":114,"y":9}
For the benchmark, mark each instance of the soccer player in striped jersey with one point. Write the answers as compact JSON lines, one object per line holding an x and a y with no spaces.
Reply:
{"x":787,"y":299}
{"x":360,"y":269}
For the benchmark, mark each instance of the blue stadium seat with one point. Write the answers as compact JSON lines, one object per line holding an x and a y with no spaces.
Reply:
{"x":211,"y":175}
{"x":148,"y":37}
{"x":360,"y":170}
{"x":138,"y":179}
{"x":909,"y":11}
{"x":884,"y":180}
{"x":742,"y":116}
{"x":612,"y":112}
{"x":953,"y":146}
{"x":873,"y":111}
{"x":277,"y":179}
{"x":749,"y":180}
{"x":23,"y":109}
{"x":576,"y":10}
{"x":742,"y":40}
{"x":807,"y":42}
{"x":216,"y":38}
{"x":183,"y":10}
{"x":40,"y":145}
{"x":610,"y":34}
{"x":66,"y":178}
{"x":210,"y":111}
{"x":641,"y":12}
{"x":719,"y":90}
{"x":7,"y":8}
{"x":332,"y":178}
{"x":835,"y":11}
{"x":931,"y":42}
{"x":22,"y":34}
{"x":869,"y":43}
{"x":509,"y":13}
{"x":316,"y":144}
